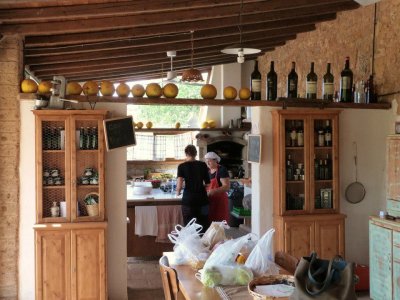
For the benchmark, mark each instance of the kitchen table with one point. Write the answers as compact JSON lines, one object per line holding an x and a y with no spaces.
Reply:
{"x":191,"y":287}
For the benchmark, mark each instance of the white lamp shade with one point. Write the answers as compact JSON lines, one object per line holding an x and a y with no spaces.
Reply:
{"x":235,"y":48}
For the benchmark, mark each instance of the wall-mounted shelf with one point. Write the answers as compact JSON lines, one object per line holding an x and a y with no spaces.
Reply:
{"x":282,"y":102}
{"x":182,"y":130}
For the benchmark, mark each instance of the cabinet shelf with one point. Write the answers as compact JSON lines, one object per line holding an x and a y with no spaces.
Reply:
{"x":295,"y":181}
{"x":87,"y":151}
{"x":87,"y":186}
{"x":323,"y":181}
{"x":53,"y":151}
{"x":182,"y":130}
{"x":53,"y":187}
{"x":294,"y":148}
{"x":322,"y":148}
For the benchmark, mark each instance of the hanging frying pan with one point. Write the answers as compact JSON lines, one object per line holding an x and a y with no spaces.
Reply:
{"x":355,"y":191}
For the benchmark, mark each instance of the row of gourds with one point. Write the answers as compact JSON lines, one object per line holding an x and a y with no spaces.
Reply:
{"x":152,"y":90}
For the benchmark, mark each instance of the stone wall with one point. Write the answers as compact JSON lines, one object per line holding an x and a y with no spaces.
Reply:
{"x":10,"y":66}
{"x":351,"y":34}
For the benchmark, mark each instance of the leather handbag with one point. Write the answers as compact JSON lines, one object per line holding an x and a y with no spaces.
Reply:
{"x":324,"y":279}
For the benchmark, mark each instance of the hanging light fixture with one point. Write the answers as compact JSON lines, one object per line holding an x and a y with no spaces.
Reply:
{"x":240,"y":49}
{"x":192,"y":75}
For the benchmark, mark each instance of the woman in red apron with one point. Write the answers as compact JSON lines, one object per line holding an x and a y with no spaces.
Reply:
{"x":217,"y":190}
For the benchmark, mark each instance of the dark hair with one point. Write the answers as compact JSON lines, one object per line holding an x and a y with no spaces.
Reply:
{"x":191,"y":150}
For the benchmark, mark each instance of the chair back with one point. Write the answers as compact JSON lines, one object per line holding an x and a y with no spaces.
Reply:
{"x":286,"y":261}
{"x":169,"y":279}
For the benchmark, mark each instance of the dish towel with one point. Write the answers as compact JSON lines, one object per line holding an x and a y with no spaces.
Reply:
{"x":146,"y":222}
{"x":168,"y":216}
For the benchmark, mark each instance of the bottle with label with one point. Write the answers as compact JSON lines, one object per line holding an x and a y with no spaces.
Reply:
{"x":300,"y":135}
{"x":55,"y":210}
{"x":292,"y":82}
{"x":327,"y":85}
{"x":272,"y":84}
{"x":311,"y":84}
{"x":293,"y":136}
{"x":255,"y":85}
{"x":289,"y":168}
{"x":321,"y":138}
{"x":88,"y":138}
{"x":328,"y":134}
{"x":346,"y":83}
{"x":94,"y":138}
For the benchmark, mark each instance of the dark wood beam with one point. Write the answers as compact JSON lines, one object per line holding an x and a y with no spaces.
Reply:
{"x":9,"y":4}
{"x":168,"y":17}
{"x":249,"y":23}
{"x":209,"y":35}
{"x":217,"y":44}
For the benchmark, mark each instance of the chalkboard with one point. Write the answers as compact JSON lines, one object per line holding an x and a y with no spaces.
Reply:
{"x":254,"y":148}
{"x":119,"y":132}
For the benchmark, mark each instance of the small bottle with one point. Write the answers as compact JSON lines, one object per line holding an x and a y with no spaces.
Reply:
{"x":311,"y":84}
{"x":346,"y":83}
{"x":255,"y":85}
{"x":370,"y":92}
{"x":321,"y":138}
{"x":321,"y":170}
{"x":328,"y":134}
{"x":289,"y":168}
{"x":82,"y":140}
{"x":328,"y":166}
{"x":272,"y":84}
{"x":55,"y":210}
{"x":300,"y":136}
{"x":328,"y":85}
{"x":292,"y":82}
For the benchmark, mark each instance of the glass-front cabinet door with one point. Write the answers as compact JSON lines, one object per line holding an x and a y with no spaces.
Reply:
{"x":324,"y":163}
{"x":52,"y":169}
{"x":87,"y":168}
{"x":296,"y":169}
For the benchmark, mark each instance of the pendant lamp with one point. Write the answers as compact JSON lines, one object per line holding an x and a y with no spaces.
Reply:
{"x":240,"y":49}
{"x":192,"y":75}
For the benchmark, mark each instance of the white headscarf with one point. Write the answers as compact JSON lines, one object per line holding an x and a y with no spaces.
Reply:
{"x":212,"y":155}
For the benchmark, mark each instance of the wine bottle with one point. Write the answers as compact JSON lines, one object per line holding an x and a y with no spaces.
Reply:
{"x":255,"y":85}
{"x":369,"y":90}
{"x":316,"y":168}
{"x":300,"y":135}
{"x":292,"y":82}
{"x":327,"y":86}
{"x":328,"y":167}
{"x":328,"y":134}
{"x":272,"y":84}
{"x":289,"y":168}
{"x":311,"y":84}
{"x":346,"y":83}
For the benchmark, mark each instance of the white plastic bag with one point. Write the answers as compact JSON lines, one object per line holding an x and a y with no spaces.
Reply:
{"x":214,"y":234}
{"x":261,"y":258}
{"x":188,"y":248}
{"x":221,"y":268}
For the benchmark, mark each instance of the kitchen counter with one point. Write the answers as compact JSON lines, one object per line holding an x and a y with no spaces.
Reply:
{"x":157,"y":197}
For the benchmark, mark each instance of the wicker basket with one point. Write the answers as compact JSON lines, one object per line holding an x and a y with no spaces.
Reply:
{"x":266,"y":280}
{"x":93,"y":209}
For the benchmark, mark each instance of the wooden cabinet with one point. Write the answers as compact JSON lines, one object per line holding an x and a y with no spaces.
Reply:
{"x":69,"y":164}
{"x":70,"y":261}
{"x":306,"y":182}
{"x":70,"y":232}
{"x":384,"y":259}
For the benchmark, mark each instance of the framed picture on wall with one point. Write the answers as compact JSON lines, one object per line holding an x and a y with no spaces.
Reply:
{"x":254,"y":148}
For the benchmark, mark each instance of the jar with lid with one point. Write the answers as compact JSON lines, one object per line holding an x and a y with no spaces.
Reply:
{"x":55,"y":210}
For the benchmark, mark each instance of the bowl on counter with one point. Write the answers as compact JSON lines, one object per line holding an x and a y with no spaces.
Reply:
{"x":156,"y":183}
{"x":142,"y":188}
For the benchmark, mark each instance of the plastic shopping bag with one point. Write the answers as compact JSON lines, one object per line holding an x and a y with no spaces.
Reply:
{"x":188,"y":248}
{"x":221,"y":268}
{"x":261,"y":258}
{"x":214,"y":234}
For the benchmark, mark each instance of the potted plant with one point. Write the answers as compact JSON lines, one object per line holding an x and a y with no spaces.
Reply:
{"x":92,"y":204}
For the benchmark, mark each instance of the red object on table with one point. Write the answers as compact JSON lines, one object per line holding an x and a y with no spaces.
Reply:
{"x":362,"y":271}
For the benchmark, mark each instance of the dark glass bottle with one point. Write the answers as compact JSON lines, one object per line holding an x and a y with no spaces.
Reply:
{"x":311,"y":84}
{"x":255,"y":85}
{"x":321,"y":170}
{"x":94,"y":138}
{"x":370,"y":96}
{"x":316,"y":168}
{"x":292,"y":82}
{"x":289,"y":168}
{"x":82,"y":140}
{"x":272,"y":84}
{"x":346,"y":83}
{"x":88,"y":138}
{"x":328,"y":134}
{"x":300,"y":134}
{"x":328,"y":167}
{"x":328,"y":86}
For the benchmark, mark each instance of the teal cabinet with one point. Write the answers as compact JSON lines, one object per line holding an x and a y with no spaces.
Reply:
{"x":380,"y":253}
{"x":396,"y":265}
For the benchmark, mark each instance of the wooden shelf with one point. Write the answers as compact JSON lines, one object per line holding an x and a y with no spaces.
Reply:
{"x":87,"y":150}
{"x":180,"y":130}
{"x":53,"y":187}
{"x":88,"y":186}
{"x":53,"y":151}
{"x":295,"y":181}
{"x":294,"y":148}
{"x":282,"y":102}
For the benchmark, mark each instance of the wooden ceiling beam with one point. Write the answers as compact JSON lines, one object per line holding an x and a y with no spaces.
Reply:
{"x":12,"y":4}
{"x":93,"y":25}
{"x":206,"y":45}
{"x":249,"y":24}
{"x":233,"y":33}
{"x":160,"y":64}
{"x":127,"y":8}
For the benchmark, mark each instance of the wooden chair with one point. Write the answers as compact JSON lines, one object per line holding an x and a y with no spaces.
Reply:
{"x":286,"y":261}
{"x":169,"y":280}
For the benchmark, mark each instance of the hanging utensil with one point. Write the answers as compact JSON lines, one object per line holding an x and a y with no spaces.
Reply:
{"x":355,"y":191}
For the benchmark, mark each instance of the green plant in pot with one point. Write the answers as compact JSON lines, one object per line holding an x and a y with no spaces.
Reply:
{"x":92,"y":204}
